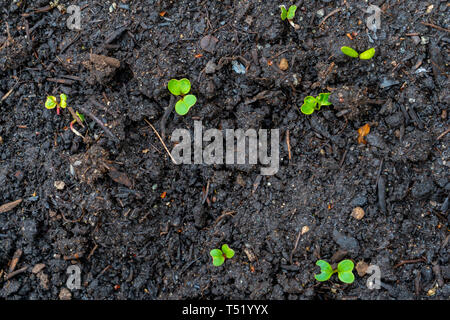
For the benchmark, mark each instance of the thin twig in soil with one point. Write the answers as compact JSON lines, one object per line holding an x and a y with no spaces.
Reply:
{"x":329,"y":15}
{"x":92,"y":251}
{"x":288,"y":144}
{"x":295,"y":246}
{"x":99,"y":122}
{"x":15,"y":260}
{"x":343,"y":158}
{"x":15,"y":273}
{"x":166,"y":114}
{"x":103,"y":271}
{"x":422,"y":259}
{"x":229,"y":213}
{"x":75,"y":256}
{"x":162,"y":141}
{"x":443,"y":134}
{"x":434,"y":26}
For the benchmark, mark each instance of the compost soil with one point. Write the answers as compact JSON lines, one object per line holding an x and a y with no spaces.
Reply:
{"x":141,"y":227}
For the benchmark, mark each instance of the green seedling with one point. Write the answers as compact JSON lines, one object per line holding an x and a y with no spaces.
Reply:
{"x":80,"y":119}
{"x":289,"y":14}
{"x":51,"y":102}
{"x":366,"y":55}
{"x":219,"y":256}
{"x":311,"y":104}
{"x":344,"y":271}
{"x":181,"y":88}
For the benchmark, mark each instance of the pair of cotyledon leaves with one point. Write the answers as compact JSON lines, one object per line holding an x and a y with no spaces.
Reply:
{"x":182,"y":88}
{"x":289,"y":13}
{"x":366,"y":55}
{"x":344,"y":270}
{"x":310,"y":104}
{"x":219,"y":256}
{"x":51,"y":102}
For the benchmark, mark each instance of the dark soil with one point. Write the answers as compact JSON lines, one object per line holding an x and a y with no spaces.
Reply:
{"x":141,"y":227}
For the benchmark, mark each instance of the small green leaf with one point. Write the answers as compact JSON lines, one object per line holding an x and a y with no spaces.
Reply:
{"x":218,"y":258}
{"x":174,"y":87}
{"x":350,"y":52}
{"x":291,"y":12}
{"x":322,"y":100}
{"x":185,"y":86}
{"x":307,"y":109}
{"x":216,"y":253}
{"x":284,"y":12}
{"x":344,"y":269}
{"x":229,"y":253}
{"x":190,"y":100}
{"x":181,"y":107}
{"x":368,"y":54}
{"x":346,"y":277}
{"x":80,"y":115}
{"x":218,"y":261}
{"x":345,"y":266}
{"x":326,"y":271}
{"x":50,"y":103}
{"x":63,"y":99}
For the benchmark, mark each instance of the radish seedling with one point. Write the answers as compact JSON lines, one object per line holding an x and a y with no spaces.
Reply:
{"x":182,"y":88}
{"x":366,"y":55}
{"x":310,"y":104}
{"x":219,"y":256}
{"x":289,"y":14}
{"x":344,"y":271}
{"x":51,"y":102}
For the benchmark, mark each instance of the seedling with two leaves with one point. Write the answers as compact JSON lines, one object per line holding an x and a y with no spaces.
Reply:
{"x":77,"y":117}
{"x":366,"y":55}
{"x":289,"y":14}
{"x":219,"y":256}
{"x":51,"y":102}
{"x":311,"y":104}
{"x":344,"y":271}
{"x":181,"y":88}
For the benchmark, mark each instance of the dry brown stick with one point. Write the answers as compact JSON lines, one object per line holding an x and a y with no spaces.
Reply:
{"x":295,"y":246}
{"x":443,"y":134}
{"x":15,"y":260}
{"x":329,"y":15}
{"x":434,"y":26}
{"x":92,"y":251}
{"x":288,"y":142}
{"x":74,"y":256}
{"x":15,"y":273}
{"x":229,"y":213}
{"x":160,"y":139}
{"x":422,"y":259}
{"x":9,"y":206}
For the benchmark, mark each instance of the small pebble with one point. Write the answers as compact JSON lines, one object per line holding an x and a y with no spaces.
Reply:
{"x":358,"y":213}
{"x":424,"y":40}
{"x":238,"y":67}
{"x":38,"y":268}
{"x":284,"y":65}
{"x":305,"y":229}
{"x":320,"y":13}
{"x":65,"y":294}
{"x":59,"y":185}
{"x":361,"y":267}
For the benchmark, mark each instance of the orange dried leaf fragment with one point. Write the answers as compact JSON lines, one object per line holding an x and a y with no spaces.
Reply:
{"x":362,"y":132}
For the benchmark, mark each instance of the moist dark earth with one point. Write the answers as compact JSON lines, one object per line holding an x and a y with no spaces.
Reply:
{"x":141,"y":227}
